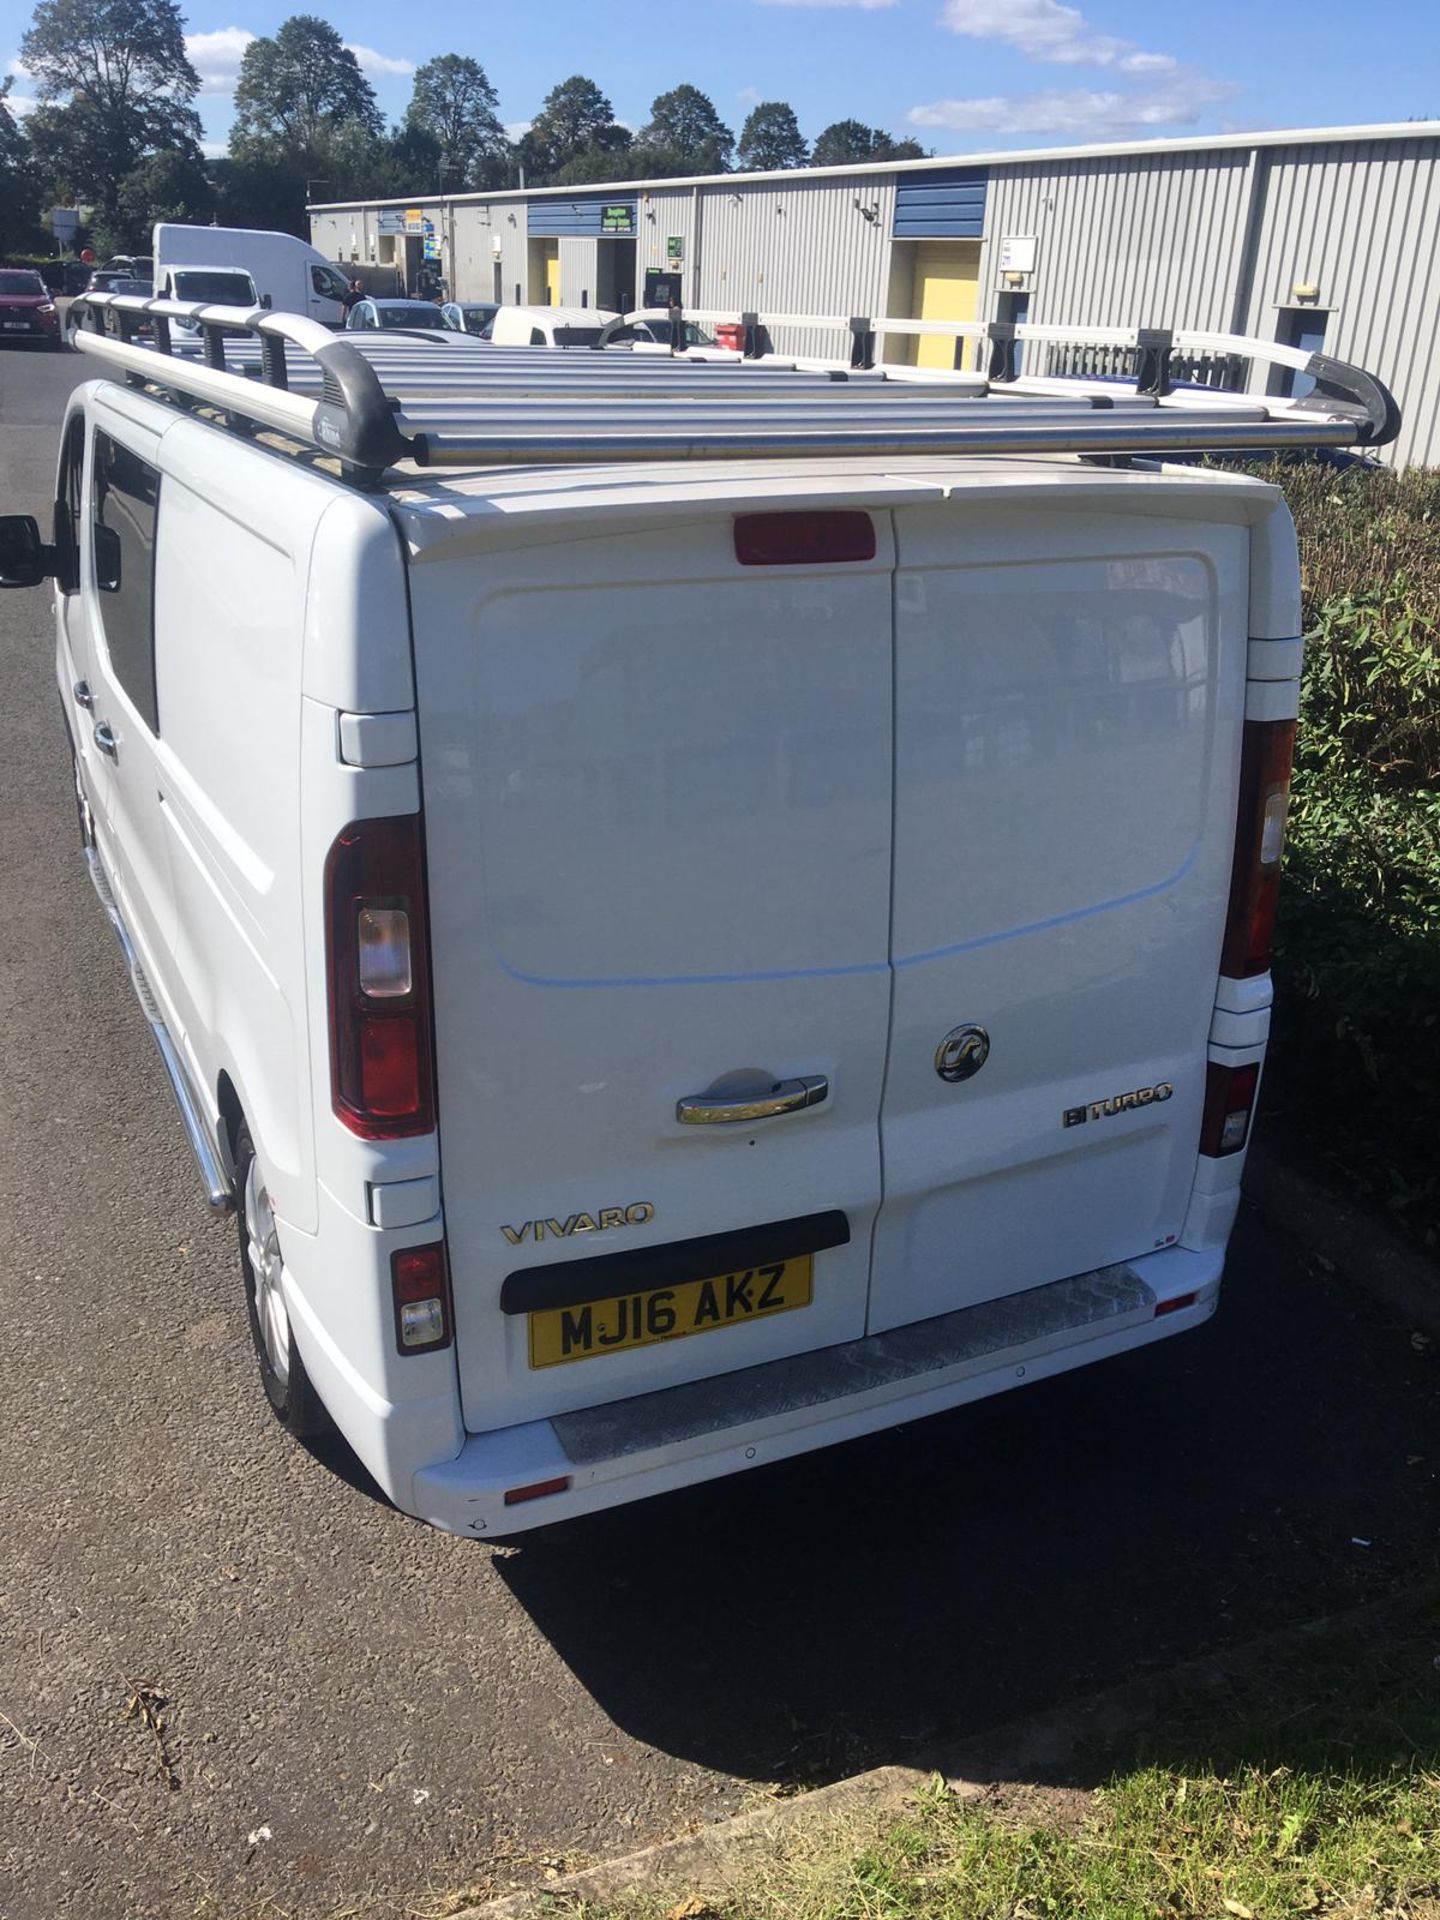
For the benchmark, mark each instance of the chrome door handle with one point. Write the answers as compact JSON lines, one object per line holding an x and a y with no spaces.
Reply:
{"x":786,"y":1096}
{"x":83,"y":696}
{"x":105,"y":739}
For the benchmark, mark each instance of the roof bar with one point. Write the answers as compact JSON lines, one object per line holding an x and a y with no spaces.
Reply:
{"x":449,"y":400}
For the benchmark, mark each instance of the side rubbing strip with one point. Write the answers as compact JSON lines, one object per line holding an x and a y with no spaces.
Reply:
{"x":572,"y":1283}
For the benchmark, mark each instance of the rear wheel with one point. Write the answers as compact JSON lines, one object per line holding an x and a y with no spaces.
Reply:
{"x":294,"y":1401}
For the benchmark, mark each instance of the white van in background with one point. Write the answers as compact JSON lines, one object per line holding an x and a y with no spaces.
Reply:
{"x":550,"y":326}
{"x":296,"y":277}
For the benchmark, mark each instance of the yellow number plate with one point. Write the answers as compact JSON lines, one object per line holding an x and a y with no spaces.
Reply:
{"x":562,"y":1334}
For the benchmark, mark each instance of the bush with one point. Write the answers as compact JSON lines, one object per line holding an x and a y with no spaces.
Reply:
{"x":1356,"y":1065}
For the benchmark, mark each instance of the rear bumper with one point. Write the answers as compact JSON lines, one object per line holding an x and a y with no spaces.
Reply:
{"x":685,"y":1435}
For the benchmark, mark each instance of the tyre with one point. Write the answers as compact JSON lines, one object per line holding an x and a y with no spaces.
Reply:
{"x":293,"y":1400}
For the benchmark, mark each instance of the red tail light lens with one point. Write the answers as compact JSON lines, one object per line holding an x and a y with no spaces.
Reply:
{"x":1267,"y":755}
{"x":803,"y":539}
{"x":420,"y":1282}
{"x":382,"y":1079}
{"x":1229,"y":1103}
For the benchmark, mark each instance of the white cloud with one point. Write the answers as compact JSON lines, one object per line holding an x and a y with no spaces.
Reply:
{"x":373,"y":62}
{"x":517,"y":130}
{"x":20,"y":104}
{"x":1047,"y":30}
{"x":214,"y":149}
{"x":216,"y":57}
{"x":1079,"y":112}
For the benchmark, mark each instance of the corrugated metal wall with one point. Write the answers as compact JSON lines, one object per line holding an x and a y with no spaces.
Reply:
{"x":800,"y":246}
{"x":1147,"y":241}
{"x":1361,"y":223}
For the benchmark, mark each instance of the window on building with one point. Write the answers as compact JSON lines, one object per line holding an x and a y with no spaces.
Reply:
{"x":125,"y":497}
{"x":1302,"y":327}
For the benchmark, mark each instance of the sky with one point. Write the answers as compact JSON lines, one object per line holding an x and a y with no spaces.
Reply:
{"x":960,"y":76}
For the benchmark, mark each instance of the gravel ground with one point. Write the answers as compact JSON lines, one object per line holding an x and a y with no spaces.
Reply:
{"x":233,"y":1680}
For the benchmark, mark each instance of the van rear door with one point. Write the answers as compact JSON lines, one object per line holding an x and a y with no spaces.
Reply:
{"x":1069,"y":692}
{"x":657,"y":788}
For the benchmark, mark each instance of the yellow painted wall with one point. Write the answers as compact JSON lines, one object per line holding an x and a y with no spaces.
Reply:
{"x":946,"y":287}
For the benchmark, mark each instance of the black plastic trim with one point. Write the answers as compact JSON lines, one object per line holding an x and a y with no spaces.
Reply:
{"x":576,"y":1283}
{"x":361,"y":428}
{"x":1343,"y":388}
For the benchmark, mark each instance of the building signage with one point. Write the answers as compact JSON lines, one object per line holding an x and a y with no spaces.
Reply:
{"x":618,"y":219}
{"x":675,"y":250}
{"x":414,"y":220}
{"x":1017,"y":252}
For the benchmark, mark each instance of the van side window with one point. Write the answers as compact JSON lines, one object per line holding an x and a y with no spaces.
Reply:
{"x":125,"y":496}
{"x":325,"y":280}
{"x":69,"y":503}
{"x":537,"y":338}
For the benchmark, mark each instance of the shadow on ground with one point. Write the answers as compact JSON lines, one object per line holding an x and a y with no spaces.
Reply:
{"x":879,"y":1602}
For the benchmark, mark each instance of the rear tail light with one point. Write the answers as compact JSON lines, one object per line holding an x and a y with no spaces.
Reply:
{"x":1266,"y":757}
{"x":803,"y":539}
{"x":382,"y":1078}
{"x":1229,"y":1103}
{"x":420,"y":1282}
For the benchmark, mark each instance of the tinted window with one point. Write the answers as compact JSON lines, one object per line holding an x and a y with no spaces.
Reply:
{"x":21,"y":283}
{"x":125,"y":497}
{"x":69,"y":498}
{"x":420,"y":314}
{"x":224,"y":289}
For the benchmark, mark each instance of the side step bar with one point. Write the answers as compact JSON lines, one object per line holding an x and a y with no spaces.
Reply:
{"x":218,"y":1196}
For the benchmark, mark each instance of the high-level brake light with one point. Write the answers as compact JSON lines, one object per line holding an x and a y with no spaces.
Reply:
{"x":803,"y":539}
{"x":378,"y":973}
{"x":1266,"y":758}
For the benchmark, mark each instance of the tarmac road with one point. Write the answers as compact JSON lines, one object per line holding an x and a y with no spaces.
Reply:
{"x":346,"y":1709}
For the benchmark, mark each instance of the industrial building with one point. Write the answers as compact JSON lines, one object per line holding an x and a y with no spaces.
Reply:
{"x":1326,"y":239}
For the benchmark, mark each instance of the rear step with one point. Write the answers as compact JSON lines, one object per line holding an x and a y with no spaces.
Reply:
{"x":955,"y":1344}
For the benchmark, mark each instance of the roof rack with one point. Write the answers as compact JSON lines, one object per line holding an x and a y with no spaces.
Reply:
{"x":373,"y":400}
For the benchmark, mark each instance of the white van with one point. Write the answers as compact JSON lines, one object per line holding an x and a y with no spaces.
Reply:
{"x":289,"y":274}
{"x":549,"y":326}
{"x":693,"y":914}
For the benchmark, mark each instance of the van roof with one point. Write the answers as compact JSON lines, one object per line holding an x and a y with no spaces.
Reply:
{"x":381,"y":403}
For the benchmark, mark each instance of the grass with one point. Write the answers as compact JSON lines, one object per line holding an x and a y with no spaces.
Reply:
{"x":1311,"y":1788}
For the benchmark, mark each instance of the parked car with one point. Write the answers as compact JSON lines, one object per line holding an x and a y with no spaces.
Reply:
{"x":470,"y":316}
{"x":679,"y":965}
{"x":549,"y":326}
{"x":108,"y":280}
{"x":28,"y":314}
{"x":658,"y":333}
{"x":390,"y":314}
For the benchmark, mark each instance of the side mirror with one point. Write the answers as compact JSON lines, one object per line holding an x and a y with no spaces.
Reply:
{"x":265,"y":300}
{"x":25,"y":560}
{"x":107,"y":558}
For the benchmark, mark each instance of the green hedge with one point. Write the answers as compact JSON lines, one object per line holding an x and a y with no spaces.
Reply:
{"x":1355,"y":1067}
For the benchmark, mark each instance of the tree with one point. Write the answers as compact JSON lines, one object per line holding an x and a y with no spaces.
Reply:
{"x":19,"y":188}
{"x":771,"y":139}
{"x":299,"y":87}
{"x":116,"y":84}
{"x":684,"y":123}
{"x":456,"y":106}
{"x":575,"y":118}
{"x":847,"y":141}
{"x":170,"y":185}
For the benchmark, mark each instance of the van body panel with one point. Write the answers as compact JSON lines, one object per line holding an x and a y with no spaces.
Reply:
{"x":638,"y":759}
{"x":1069,"y":688}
